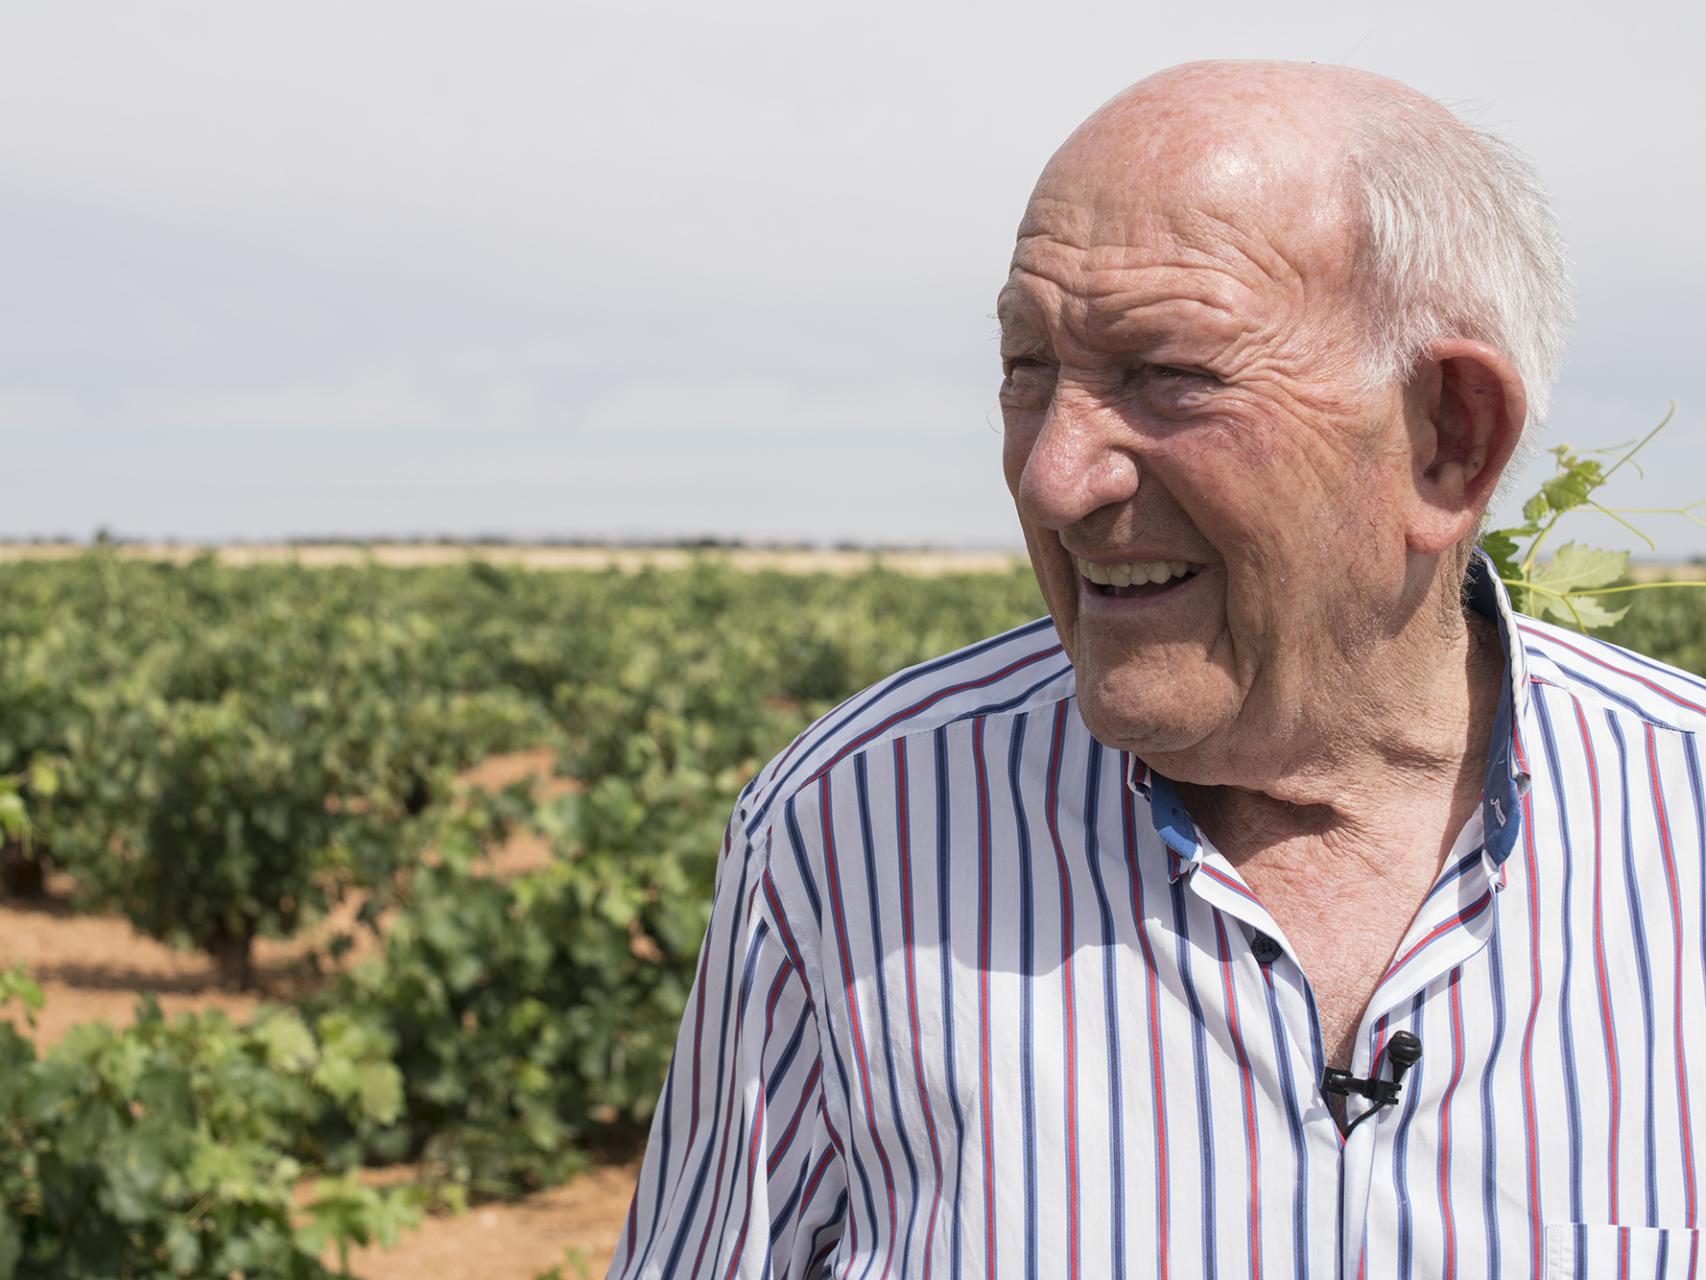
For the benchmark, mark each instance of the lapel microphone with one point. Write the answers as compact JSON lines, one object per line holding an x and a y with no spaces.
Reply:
{"x":1403,"y":1051}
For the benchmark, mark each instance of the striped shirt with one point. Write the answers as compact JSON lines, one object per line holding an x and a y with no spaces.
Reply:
{"x":977,"y":1000}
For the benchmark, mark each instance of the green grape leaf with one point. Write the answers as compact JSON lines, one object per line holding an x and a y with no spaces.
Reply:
{"x":1591,"y":614}
{"x":288,"y":1043}
{"x":1501,"y":548}
{"x":1570,"y":488}
{"x":380,"y":1086}
{"x":44,"y":779}
{"x":1579,"y":568}
{"x":15,"y":984}
{"x":1568,"y":581}
{"x":14,"y":819}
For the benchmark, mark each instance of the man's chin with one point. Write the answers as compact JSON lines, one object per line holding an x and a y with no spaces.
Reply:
{"x":1149,"y":727}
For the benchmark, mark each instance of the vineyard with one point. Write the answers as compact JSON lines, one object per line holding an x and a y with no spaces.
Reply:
{"x":230,"y":757}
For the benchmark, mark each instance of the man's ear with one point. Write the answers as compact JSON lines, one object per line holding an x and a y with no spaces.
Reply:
{"x":1466,"y":409}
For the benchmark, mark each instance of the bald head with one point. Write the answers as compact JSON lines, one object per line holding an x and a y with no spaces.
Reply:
{"x":1241,"y":144}
{"x":1443,"y":230}
{"x":1230,"y":120}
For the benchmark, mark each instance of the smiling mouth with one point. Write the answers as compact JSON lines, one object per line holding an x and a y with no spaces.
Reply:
{"x":1137,"y":579}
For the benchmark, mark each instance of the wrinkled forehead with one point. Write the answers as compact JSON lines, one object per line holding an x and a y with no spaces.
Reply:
{"x":1141,"y":174}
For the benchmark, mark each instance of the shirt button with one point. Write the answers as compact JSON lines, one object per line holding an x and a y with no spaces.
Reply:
{"x":1265,"y":948}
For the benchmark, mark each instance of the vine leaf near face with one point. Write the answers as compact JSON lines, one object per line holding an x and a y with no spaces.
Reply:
{"x":1579,"y":584}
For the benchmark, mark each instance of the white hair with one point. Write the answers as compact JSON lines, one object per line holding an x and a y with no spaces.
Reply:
{"x":1458,"y":239}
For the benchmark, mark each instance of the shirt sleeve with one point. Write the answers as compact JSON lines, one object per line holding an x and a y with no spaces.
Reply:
{"x":743,"y":1174}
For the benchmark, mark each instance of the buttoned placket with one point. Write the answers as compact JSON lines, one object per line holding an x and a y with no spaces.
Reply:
{"x":1455,"y":922}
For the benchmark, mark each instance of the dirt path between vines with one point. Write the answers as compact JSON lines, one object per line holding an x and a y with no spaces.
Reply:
{"x":93,"y":968}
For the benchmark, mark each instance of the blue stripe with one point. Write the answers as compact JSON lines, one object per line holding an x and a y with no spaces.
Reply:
{"x":958,"y":658}
{"x":664,"y":1141}
{"x":736,"y":1174}
{"x":1566,"y":946}
{"x":1209,"y":1192}
{"x":724,"y":1024}
{"x":789,"y":1051}
{"x":878,"y":952}
{"x":1611,"y":694}
{"x":1317,"y":1041}
{"x":785,"y":1214}
{"x":1400,"y":1148}
{"x":842,"y":1073}
{"x":1294,"y":1123}
{"x":1017,"y":700}
{"x":791,"y":822}
{"x":1692,"y":756}
{"x":1617,"y":655}
{"x":1111,"y":1003}
{"x":1455,"y":872}
{"x":1489,"y":1129}
{"x":837,"y":1216}
{"x":1027,"y":1001}
{"x":1140,"y":930}
{"x":1643,"y":966}
{"x":944,"y":896}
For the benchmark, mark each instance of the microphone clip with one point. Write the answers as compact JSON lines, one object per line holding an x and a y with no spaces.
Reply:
{"x":1382,"y":1093}
{"x":1403,"y":1051}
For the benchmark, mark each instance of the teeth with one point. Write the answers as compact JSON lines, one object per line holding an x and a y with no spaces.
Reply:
{"x":1136,"y":573}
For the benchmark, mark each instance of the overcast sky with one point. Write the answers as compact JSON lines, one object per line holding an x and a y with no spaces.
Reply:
{"x":652,"y":269}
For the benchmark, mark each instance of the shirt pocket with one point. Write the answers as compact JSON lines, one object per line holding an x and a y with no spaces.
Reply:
{"x":1576,"y":1251}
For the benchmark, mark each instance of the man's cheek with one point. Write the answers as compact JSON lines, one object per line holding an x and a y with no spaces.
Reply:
{"x":1019,"y":435}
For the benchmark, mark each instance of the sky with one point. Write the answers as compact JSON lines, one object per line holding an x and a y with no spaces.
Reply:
{"x":653,"y":270}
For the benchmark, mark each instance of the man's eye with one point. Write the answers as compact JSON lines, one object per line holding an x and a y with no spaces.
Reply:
{"x":1174,"y":373}
{"x":1017,"y":364}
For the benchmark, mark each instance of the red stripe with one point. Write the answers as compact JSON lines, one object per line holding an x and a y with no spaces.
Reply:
{"x":786,"y":1138}
{"x":1530,"y":1125}
{"x":1229,"y":882}
{"x":904,"y":833}
{"x":1379,"y":1047}
{"x":1158,"y":1091}
{"x":849,"y":990}
{"x":753,"y":1144}
{"x":1438,"y":931}
{"x":699,"y":1026}
{"x":790,"y":948}
{"x":984,"y":895}
{"x":1607,"y":1019}
{"x":773,"y":1000}
{"x":808,"y":1195}
{"x":727,"y":1128}
{"x":1663,"y":817}
{"x":1611,"y":666}
{"x":1445,"y":1126}
{"x":1246,"y":1087}
{"x":924,"y":704}
{"x":1051,"y":810}
{"x":816,"y":1178}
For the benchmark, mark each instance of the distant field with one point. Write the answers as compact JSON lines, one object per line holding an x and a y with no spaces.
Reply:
{"x":408,"y":555}
{"x":926,"y":563}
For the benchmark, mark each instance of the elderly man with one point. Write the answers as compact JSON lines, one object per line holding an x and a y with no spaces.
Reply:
{"x":1112,"y":953}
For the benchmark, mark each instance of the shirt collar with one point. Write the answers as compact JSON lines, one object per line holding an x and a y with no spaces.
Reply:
{"x":1502,"y":789}
{"x":1506,"y":781}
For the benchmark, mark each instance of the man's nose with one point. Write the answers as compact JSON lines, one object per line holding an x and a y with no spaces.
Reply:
{"x":1080,"y":460}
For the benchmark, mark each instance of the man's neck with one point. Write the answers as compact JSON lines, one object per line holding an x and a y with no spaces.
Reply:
{"x":1396,"y":775}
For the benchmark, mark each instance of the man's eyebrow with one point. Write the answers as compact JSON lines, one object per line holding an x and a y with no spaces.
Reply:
{"x":1015,"y":311}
